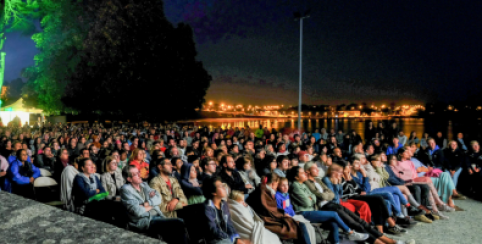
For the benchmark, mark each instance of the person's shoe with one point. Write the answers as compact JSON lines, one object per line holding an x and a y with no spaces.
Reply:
{"x":395,"y":230}
{"x":457,"y":208}
{"x":355,"y":236}
{"x":411,"y":241}
{"x":440,"y":215}
{"x":445,"y":208}
{"x":422,"y":218}
{"x":406,"y":222}
{"x":459,"y":197}
{"x":432,"y":217}
{"x":413,"y":211}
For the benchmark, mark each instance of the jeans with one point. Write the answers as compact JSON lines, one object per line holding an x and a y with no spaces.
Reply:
{"x":330,"y":217}
{"x":396,"y":194}
{"x":305,"y":237}
{"x":171,"y":230}
{"x":456,"y":176}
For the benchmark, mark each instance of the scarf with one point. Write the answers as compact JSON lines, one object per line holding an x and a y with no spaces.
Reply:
{"x":90,"y":180}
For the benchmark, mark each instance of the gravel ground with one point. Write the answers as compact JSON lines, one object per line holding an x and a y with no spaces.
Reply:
{"x":27,"y":221}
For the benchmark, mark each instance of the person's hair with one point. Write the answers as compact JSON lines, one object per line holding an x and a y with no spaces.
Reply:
{"x":127,"y":173}
{"x":83,"y":150}
{"x":357,"y":156}
{"x":400,"y":153}
{"x":282,"y":179}
{"x":390,"y":157}
{"x":241,"y":161}
{"x":134,"y":154}
{"x":82,"y":162}
{"x":293,"y":173}
{"x":430,"y":139}
{"x":224,"y":160}
{"x":209,"y":187}
{"x":280,"y":159}
{"x":450,"y":142}
{"x":107,"y":161}
{"x":204,"y":162}
{"x":412,"y":143}
{"x":308,"y":166}
{"x":333,"y":167}
{"x":19,"y":153}
{"x":236,"y":195}
{"x":271,"y":177}
{"x":376,"y":157}
{"x":473,"y":142}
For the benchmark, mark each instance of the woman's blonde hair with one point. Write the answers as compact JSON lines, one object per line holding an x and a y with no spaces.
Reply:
{"x":236,"y":195}
{"x":134,"y":154}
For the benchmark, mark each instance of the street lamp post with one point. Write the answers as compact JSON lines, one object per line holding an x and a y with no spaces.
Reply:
{"x":300,"y":17}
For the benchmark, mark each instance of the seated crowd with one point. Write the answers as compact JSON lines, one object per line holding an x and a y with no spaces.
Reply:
{"x":254,"y":186}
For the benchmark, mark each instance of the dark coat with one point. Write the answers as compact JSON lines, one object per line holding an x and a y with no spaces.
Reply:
{"x":265,"y":205}
{"x":235,"y":182}
{"x":454,"y":160}
{"x":219,"y":229}
{"x":436,"y":159}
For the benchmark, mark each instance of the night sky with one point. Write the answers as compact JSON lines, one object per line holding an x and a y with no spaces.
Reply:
{"x":354,"y":51}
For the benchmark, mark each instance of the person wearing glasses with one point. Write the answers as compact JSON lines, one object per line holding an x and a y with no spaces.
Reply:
{"x":143,"y":211}
{"x":208,"y":166}
{"x":46,"y":160}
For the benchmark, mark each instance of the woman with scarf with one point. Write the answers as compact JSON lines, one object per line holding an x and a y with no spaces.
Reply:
{"x":249,"y":176}
{"x":86,"y":186}
{"x":281,"y":149}
{"x":190,"y":185}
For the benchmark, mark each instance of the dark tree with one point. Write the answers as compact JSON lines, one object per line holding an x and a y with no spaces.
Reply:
{"x":137,"y":64}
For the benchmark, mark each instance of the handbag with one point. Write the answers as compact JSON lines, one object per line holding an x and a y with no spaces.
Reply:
{"x":434,"y":173}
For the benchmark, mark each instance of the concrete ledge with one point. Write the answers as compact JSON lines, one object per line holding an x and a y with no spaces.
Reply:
{"x":27,"y":221}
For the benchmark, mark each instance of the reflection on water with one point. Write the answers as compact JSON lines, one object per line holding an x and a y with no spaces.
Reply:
{"x":471,"y":128}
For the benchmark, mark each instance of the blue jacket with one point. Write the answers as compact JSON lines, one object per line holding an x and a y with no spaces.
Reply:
{"x":363,"y":182}
{"x":392,"y":150}
{"x":81,"y":189}
{"x":392,"y":178}
{"x":12,"y":158}
{"x":187,"y":187}
{"x":216,"y":230}
{"x":283,"y":202}
{"x":17,"y":174}
{"x":336,"y":189}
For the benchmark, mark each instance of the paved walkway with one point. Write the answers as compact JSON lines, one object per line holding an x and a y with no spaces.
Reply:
{"x":462,"y":227}
{"x":27,"y":221}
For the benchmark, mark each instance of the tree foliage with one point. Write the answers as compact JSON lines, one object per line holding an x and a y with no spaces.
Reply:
{"x":137,"y":64}
{"x":64,"y":24}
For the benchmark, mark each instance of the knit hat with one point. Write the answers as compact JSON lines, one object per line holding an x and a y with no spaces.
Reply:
{"x":301,"y":154}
